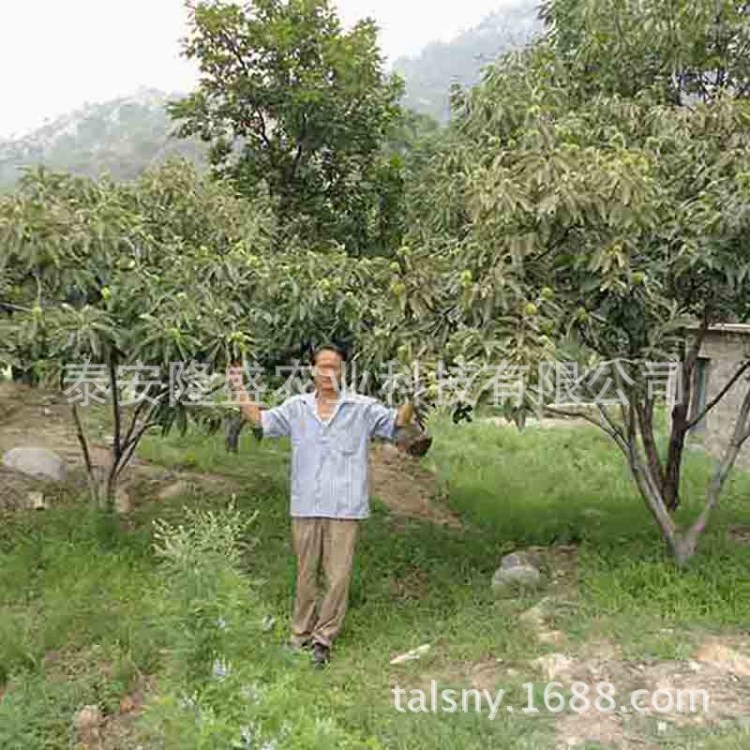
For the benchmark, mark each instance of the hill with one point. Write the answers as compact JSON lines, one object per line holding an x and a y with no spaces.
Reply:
{"x":430,"y":74}
{"x":122,"y":136}
{"x":126,"y":135}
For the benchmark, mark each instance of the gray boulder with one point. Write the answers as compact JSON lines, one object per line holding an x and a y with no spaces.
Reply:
{"x":517,"y":571}
{"x":36,"y":462}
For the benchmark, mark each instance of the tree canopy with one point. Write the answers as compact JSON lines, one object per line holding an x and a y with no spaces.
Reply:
{"x":289,"y":99}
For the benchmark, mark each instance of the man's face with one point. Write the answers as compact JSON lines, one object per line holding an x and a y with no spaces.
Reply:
{"x":327,"y":370}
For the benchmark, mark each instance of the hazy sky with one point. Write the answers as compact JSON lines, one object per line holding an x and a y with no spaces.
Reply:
{"x":55,"y":55}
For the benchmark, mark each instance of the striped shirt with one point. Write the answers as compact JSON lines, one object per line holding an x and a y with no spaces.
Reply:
{"x":329,"y":476}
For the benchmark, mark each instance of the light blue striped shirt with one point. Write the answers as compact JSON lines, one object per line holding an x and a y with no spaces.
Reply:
{"x":329,"y":475}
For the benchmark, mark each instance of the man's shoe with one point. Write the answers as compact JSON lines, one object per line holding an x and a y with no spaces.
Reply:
{"x":295,"y":645}
{"x":321,"y":655}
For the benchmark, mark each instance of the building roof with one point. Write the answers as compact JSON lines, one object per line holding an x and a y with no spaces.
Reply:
{"x":743,"y":328}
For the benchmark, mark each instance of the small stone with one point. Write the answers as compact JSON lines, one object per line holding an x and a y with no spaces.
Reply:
{"x":555,"y":637}
{"x":554,"y":665}
{"x":533,"y":617}
{"x":176,"y":489}
{"x":36,"y":501}
{"x":268,"y":622}
{"x":415,"y":653}
{"x":88,"y":720}
{"x":516,"y":572}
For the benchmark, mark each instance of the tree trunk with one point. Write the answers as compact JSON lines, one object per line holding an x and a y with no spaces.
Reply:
{"x":233,"y":425}
{"x":671,"y":483}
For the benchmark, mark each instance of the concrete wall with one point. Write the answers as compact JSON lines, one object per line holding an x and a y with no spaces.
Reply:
{"x":726,"y":347}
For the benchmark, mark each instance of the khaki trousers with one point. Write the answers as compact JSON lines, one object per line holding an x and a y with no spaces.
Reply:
{"x":331,"y":540}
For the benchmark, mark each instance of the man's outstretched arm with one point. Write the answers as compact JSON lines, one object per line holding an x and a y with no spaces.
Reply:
{"x":385,"y":420}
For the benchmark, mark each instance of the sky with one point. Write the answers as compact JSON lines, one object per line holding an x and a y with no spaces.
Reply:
{"x":56,"y":55}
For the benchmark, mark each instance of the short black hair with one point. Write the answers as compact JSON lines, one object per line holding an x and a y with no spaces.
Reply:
{"x":328,"y":346}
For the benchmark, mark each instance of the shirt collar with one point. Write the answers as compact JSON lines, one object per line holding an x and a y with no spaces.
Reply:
{"x":345,"y":396}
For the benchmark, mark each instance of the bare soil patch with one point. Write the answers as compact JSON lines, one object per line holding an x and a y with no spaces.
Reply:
{"x":407,"y":488}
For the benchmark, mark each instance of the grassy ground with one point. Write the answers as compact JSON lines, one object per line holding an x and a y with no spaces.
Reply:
{"x":90,"y":613}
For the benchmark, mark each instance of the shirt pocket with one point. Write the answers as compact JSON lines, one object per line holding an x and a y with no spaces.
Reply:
{"x":345,"y":441}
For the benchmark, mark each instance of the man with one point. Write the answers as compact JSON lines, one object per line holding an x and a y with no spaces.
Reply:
{"x":330,"y":429}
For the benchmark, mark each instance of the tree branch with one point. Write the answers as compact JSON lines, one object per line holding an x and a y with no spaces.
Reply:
{"x":645,"y":412}
{"x":82,"y":440}
{"x":128,"y":454}
{"x":671,"y":484}
{"x":740,"y":434}
{"x":580,"y":415}
{"x":112,"y":369}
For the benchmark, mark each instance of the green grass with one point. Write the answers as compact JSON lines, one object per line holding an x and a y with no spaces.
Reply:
{"x":91,"y":595}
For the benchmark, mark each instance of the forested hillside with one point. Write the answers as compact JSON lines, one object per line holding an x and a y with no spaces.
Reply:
{"x":123,"y":136}
{"x":430,"y":74}
{"x":126,"y":135}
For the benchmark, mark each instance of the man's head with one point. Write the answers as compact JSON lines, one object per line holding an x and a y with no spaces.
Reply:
{"x":327,"y":363}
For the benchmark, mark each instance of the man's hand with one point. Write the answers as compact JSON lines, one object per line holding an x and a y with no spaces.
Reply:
{"x":250,"y":409}
{"x":405,"y":414}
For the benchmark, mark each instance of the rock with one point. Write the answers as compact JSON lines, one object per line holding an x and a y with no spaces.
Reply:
{"x":554,"y":665}
{"x":415,"y":653}
{"x":36,"y":462}
{"x":555,"y":637}
{"x":516,"y":571}
{"x":511,"y":580}
{"x":176,"y":489}
{"x":534,"y":620}
{"x":531,"y":556}
{"x":87,"y":723}
{"x":534,"y":617}
{"x":36,"y":501}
